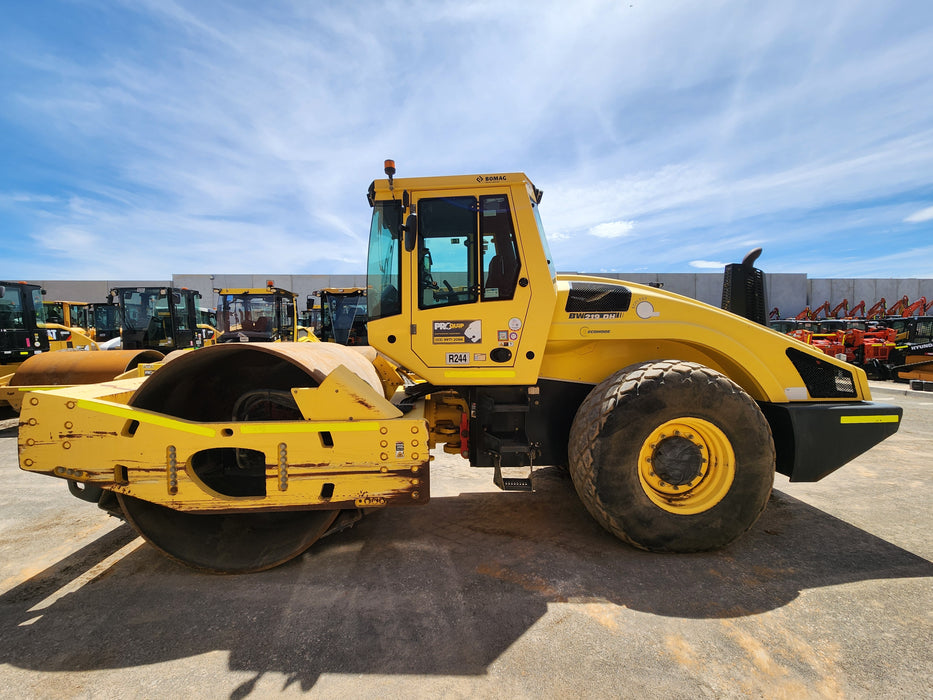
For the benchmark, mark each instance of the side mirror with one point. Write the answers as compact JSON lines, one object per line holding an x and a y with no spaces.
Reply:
{"x":2,"y":292}
{"x":411,"y":232}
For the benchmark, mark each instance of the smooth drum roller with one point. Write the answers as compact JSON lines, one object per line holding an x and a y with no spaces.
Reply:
{"x":236,"y":382}
{"x":70,"y":367}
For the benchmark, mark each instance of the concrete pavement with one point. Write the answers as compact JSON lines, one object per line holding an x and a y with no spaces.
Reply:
{"x":488,"y":594}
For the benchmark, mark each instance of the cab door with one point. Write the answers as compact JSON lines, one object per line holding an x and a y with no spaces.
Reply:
{"x":469,"y":300}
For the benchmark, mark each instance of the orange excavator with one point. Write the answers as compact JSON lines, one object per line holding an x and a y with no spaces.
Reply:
{"x":919,"y":307}
{"x":854,"y":311}
{"x":842,"y":306}
{"x":809,"y":314}
{"x":878,"y":310}
{"x":898,"y":307}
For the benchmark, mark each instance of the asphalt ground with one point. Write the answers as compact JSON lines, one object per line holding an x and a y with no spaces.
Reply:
{"x":485,"y":594}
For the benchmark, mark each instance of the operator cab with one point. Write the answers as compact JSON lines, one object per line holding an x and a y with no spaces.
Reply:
{"x":452,"y":265}
{"x":256,"y":315}
{"x":21,"y":312}
{"x":158,"y":318}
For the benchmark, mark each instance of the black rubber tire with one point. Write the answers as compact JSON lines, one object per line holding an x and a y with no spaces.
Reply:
{"x":617,"y":417}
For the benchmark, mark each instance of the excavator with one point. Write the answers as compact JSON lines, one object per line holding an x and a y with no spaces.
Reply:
{"x":672,"y":416}
{"x":855,"y":310}
{"x":878,"y":310}
{"x":899,"y":307}
{"x":809,"y":314}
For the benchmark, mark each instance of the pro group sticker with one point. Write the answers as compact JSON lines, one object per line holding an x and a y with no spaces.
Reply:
{"x":457,"y":332}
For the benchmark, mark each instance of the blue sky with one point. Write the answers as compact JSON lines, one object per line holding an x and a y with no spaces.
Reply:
{"x":146,"y":138}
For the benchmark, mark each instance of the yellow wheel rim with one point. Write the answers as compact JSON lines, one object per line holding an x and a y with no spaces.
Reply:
{"x":686,"y":466}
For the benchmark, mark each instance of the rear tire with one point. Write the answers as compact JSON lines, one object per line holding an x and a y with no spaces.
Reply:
{"x":672,"y":456}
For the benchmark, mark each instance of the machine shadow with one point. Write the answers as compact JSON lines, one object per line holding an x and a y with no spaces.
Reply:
{"x":8,"y":428}
{"x":440,"y":589}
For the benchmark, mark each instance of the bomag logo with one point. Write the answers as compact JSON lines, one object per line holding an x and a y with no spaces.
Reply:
{"x":491,"y":178}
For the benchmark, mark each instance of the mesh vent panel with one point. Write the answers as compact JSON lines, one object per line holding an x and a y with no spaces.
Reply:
{"x":822,"y":379}
{"x":589,"y":296}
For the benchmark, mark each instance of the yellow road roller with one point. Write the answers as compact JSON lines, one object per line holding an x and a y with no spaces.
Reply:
{"x":671,"y":415}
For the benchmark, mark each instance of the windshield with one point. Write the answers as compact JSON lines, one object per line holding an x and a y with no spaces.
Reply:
{"x":185,"y":305}
{"x":140,"y":306}
{"x":924,"y":331}
{"x":345,"y":318}
{"x":105,"y":317}
{"x":208,"y":316}
{"x":385,"y":260}
{"x":11,"y":310}
{"x":54,"y":312}
{"x":38,"y":305}
{"x":79,"y":315}
{"x":544,"y":245}
{"x":253,"y":313}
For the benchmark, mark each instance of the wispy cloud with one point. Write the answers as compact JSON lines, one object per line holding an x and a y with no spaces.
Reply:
{"x":612,"y":229}
{"x":707,"y":264}
{"x":182,"y":136}
{"x":918,"y":217}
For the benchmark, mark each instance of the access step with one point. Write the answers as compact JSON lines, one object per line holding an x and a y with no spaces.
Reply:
{"x":511,"y":483}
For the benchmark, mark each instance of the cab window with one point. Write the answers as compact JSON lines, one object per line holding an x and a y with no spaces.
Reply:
{"x":500,"y":263}
{"x":447,"y":251}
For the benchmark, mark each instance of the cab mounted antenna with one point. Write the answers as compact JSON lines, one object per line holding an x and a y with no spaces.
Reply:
{"x":390,"y":171}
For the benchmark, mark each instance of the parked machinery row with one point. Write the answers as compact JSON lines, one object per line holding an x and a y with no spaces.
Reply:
{"x":145,"y":324}
{"x":889,"y":343}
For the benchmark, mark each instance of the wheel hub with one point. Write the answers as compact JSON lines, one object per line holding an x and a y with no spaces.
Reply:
{"x":677,"y":460}
{"x":686,"y":466}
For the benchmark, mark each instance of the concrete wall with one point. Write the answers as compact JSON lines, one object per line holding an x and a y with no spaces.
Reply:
{"x":789,"y":293}
{"x":302,"y":285}
{"x":90,"y":290}
{"x":868,"y":290}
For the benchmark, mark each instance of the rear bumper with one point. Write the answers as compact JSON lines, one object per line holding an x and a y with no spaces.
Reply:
{"x":812,"y":440}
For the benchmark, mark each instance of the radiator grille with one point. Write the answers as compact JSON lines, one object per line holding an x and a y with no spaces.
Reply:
{"x":822,"y":379}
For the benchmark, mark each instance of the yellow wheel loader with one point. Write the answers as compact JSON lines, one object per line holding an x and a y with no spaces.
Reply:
{"x":671,"y":415}
{"x":38,"y":350}
{"x":71,"y":314}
